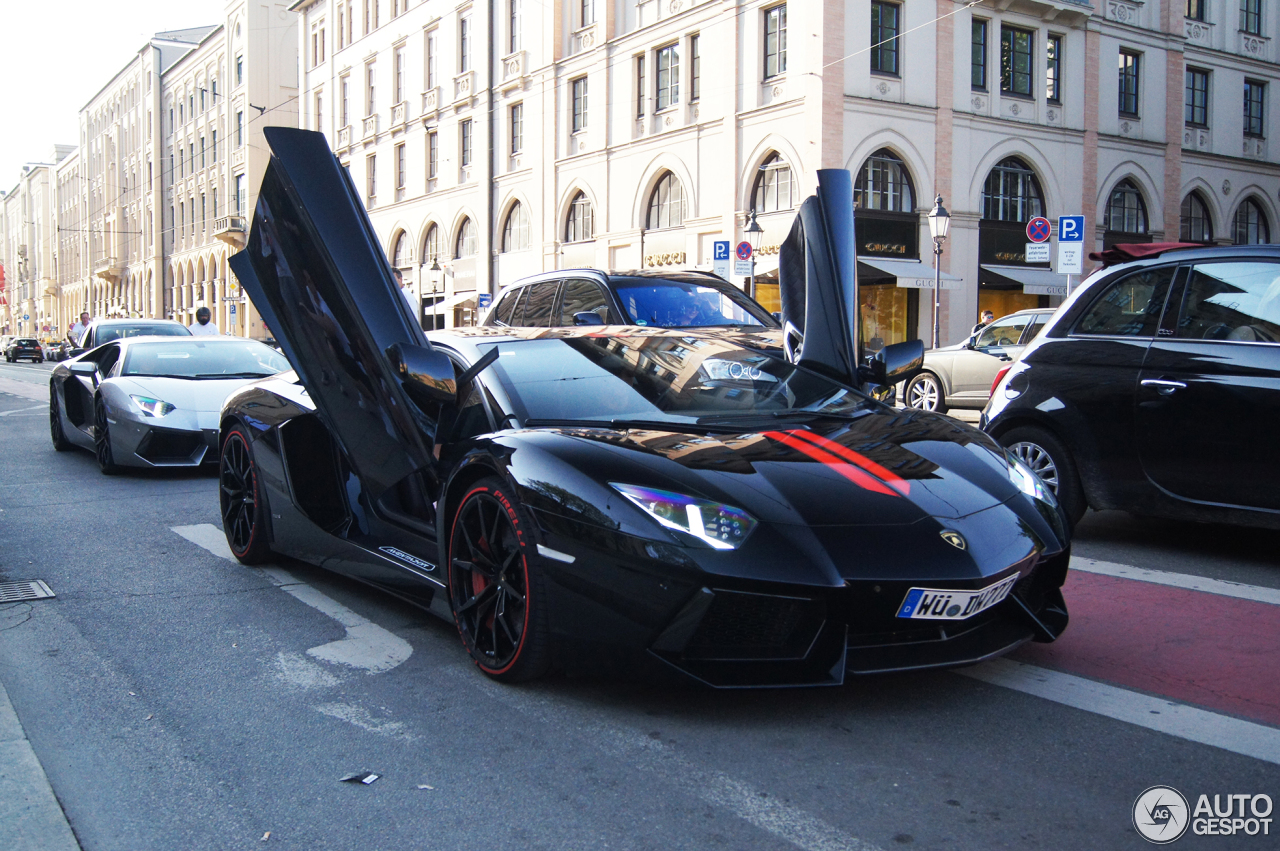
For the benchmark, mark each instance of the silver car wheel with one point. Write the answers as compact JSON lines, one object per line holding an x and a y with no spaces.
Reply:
{"x":1038,"y":460}
{"x":924,"y":393}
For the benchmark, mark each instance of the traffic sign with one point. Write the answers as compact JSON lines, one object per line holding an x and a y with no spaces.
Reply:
{"x":1037,"y":252}
{"x":25,"y":317}
{"x":1070,"y":258}
{"x":744,"y":250}
{"x":1038,"y":229}
{"x":233,"y":310}
{"x":742,"y":267}
{"x":484,"y":300}
{"x":720,"y":257}
{"x":1070,"y":229}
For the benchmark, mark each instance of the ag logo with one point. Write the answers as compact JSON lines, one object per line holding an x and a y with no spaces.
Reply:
{"x":955,"y":539}
{"x":1160,"y":814}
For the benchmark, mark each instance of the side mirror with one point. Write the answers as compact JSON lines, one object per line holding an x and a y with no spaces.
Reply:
{"x":972,"y":342}
{"x":83,"y":368}
{"x":587,"y":317}
{"x":893,"y":363}
{"x":427,"y":374}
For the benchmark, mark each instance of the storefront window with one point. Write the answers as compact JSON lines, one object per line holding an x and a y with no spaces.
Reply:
{"x":1197,"y":226}
{"x":883,"y":184}
{"x":1012,"y":193}
{"x":773,"y":189}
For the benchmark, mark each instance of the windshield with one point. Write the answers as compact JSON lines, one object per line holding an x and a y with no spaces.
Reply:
{"x":679,"y":304}
{"x":666,"y":378}
{"x":107,"y":333}
{"x":195,"y":358}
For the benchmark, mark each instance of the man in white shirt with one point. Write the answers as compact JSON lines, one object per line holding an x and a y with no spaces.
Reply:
{"x":77,"y":330}
{"x":203,"y":327}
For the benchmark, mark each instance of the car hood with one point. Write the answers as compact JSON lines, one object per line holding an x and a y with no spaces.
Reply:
{"x":201,"y":396}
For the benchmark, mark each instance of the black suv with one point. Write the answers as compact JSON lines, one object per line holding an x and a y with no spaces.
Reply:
{"x":24,"y":347}
{"x":1155,"y":388}
{"x":659,"y":299}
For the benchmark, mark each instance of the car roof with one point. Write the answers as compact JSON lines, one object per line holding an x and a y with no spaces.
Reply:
{"x":684,"y":276}
{"x":1208,"y":252}
{"x":138,"y":321}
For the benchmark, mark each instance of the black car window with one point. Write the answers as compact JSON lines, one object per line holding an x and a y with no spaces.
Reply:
{"x":506,"y":306}
{"x":106,"y":359}
{"x":539,"y":304}
{"x":1129,"y":307}
{"x":1002,"y":332}
{"x":1232,"y":301}
{"x":581,"y":296}
{"x":1037,"y":324}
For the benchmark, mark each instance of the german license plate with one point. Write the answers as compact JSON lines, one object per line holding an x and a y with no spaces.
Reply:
{"x":948,"y":604}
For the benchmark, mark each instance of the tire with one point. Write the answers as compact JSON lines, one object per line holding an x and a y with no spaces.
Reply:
{"x":244,"y":514}
{"x":496,"y":589}
{"x":1048,"y":458}
{"x":925,"y":393}
{"x":59,"y":437}
{"x":102,"y":448}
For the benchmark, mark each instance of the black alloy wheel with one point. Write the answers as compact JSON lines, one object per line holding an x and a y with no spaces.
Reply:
{"x":59,"y":437}
{"x":924,"y":392}
{"x":1049,"y":459}
{"x":102,"y":439}
{"x":240,"y":499}
{"x":495,"y":586}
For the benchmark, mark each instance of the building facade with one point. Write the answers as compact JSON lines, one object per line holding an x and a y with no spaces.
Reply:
{"x":494,"y":140}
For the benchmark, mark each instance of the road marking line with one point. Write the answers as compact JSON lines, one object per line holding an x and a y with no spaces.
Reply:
{"x":1164,"y":716}
{"x":367,"y":645}
{"x":362,"y":718}
{"x":24,"y":410}
{"x":1178,"y":580}
{"x":638,"y":750}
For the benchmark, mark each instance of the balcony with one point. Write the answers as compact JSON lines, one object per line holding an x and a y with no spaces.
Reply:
{"x":344,"y":138}
{"x":370,"y":130}
{"x":513,"y":70}
{"x":230,"y":229}
{"x":398,"y":113}
{"x":108,"y":268}
{"x":462,"y":87}
{"x":583,"y":39}
{"x":430,"y":103}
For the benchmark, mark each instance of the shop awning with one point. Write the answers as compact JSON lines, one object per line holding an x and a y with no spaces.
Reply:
{"x":1033,"y":281}
{"x":450,"y":302}
{"x":911,"y":274}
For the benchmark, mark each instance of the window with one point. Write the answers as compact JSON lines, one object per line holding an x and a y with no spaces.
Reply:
{"x":1003,"y":332}
{"x":1016,"y":48}
{"x":180,"y":163}
{"x":240,"y":70}
{"x":773,"y":189}
{"x":398,"y":69}
{"x":202,"y":103}
{"x":883,"y":184}
{"x":695,"y":70}
{"x":431,"y":246}
{"x":370,"y":89}
{"x":1195,"y":10}
{"x":371,"y":176}
{"x":431,"y":59}
{"x":317,"y":44}
{"x":464,"y":45}
{"x":515,"y":233}
{"x":345,"y":85}
{"x":668,"y":92}
{"x":400,"y":252}
{"x":517,"y":128}
{"x":1196,"y":224}
{"x":214,"y":144}
{"x":1197,"y":106}
{"x":580,"y":225}
{"x":1012,"y":193}
{"x":1126,"y":211}
{"x":539,"y":304}
{"x":240,"y":129}
{"x":465,"y":132}
{"x":513,"y":24}
{"x":640,"y":86}
{"x":666,"y":203}
{"x":978,"y":55}
{"x":884,"y":38}
{"x":588,"y":12}
{"x":1253,"y":94}
{"x":240,"y":196}
{"x":1131,"y":307}
{"x":1232,"y":301}
{"x":579,"y":104}
{"x":1053,"y":69}
{"x":319,"y":116}
{"x":582,"y":297}
{"x":433,"y":155}
{"x":1128,"y":83}
{"x":401,"y":166}
{"x":1251,"y":226}
{"x":341,"y":17}
{"x":1251,"y":16}
{"x":775,"y":41}
{"x":465,"y":244}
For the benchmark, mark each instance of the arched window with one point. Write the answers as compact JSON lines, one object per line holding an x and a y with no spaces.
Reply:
{"x":774,"y":188}
{"x":515,"y":233}
{"x":1126,"y":211}
{"x":883,"y":184}
{"x":465,"y":244}
{"x":1251,"y":224}
{"x":400,"y":251}
{"x":666,"y":203}
{"x":431,"y":245}
{"x":1197,"y":226}
{"x":581,"y":224}
{"x":1012,"y":193}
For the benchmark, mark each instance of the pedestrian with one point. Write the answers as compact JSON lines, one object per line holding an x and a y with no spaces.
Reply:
{"x":77,"y":330}
{"x":204,"y":327}
{"x":407,"y":292}
{"x":984,"y":320}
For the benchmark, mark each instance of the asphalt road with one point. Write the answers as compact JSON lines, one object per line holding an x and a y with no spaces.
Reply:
{"x":169,"y":695}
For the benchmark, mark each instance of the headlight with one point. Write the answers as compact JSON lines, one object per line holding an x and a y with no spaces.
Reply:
{"x":153,"y":407}
{"x":1028,"y":482}
{"x":721,"y":526}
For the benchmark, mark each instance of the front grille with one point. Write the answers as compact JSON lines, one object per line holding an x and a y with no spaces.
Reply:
{"x":161,"y":445}
{"x":756,"y":626}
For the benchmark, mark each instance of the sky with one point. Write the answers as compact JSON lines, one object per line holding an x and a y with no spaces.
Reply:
{"x":57,"y":54}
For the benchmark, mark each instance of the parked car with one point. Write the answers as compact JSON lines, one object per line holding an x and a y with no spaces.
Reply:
{"x":1155,"y":389}
{"x":105,"y":330}
{"x":57,"y":350}
{"x":961,"y":376}
{"x":24,"y":348}
{"x":667,"y":299}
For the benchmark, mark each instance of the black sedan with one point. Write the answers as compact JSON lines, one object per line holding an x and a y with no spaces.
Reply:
{"x":575,"y":496}
{"x":1154,"y":389}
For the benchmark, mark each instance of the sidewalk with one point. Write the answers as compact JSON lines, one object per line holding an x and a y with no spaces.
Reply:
{"x":30,"y":817}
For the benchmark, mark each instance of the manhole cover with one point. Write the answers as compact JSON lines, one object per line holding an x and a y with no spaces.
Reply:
{"x":32,"y":589}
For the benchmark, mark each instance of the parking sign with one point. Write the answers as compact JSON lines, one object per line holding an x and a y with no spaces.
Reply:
{"x":721,"y":250}
{"x":1070,"y":228}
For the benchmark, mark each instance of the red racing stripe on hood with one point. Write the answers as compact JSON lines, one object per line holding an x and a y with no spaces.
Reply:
{"x":883,"y":473}
{"x":849,"y":471}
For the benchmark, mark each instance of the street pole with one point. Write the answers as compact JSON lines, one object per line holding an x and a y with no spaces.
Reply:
{"x":937,"y":287}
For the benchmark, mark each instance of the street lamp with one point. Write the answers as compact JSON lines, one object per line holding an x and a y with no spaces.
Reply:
{"x":939,"y":222}
{"x":754,"y":232}
{"x":435,"y":306}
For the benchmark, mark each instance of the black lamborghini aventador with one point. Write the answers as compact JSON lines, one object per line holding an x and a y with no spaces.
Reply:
{"x":580,"y":496}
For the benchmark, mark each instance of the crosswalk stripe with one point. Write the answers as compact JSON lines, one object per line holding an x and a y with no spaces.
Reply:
{"x":1178,"y":580}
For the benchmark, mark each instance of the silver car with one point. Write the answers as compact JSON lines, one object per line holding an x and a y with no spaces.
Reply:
{"x":152,"y":401}
{"x":961,"y":376}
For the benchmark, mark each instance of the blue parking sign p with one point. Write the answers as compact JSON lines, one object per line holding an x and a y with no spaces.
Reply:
{"x":1070,"y":228}
{"x":721,"y":249}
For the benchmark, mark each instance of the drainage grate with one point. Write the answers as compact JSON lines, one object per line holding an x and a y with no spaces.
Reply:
{"x":32,"y":589}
